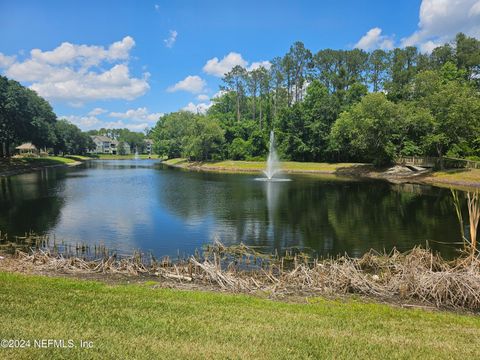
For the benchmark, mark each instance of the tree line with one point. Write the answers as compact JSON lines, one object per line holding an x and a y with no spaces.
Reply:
{"x":339,"y":105}
{"x":27,"y":117}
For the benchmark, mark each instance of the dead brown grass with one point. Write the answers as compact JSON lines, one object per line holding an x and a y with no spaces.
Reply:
{"x":417,"y":276}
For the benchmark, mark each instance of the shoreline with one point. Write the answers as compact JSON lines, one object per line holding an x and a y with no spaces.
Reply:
{"x":24,"y":169}
{"x":462,"y":179}
{"x":414,"y":279}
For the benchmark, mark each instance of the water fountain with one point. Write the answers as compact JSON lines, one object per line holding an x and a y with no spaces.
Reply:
{"x":136,"y":154}
{"x":273,"y":164}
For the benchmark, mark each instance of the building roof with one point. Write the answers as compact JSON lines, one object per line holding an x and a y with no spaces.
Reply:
{"x":26,"y":146}
{"x":148,"y":141}
{"x":101,"y":138}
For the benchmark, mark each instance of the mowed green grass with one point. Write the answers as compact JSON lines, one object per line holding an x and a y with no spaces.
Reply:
{"x":237,"y":165}
{"x":467,"y":175}
{"x":14,"y":164}
{"x":141,"y":322}
{"x":78,"y":157}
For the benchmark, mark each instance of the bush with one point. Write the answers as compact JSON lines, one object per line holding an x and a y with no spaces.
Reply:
{"x":238,"y":149}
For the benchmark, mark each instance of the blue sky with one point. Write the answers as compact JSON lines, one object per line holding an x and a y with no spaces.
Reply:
{"x":122,"y":63}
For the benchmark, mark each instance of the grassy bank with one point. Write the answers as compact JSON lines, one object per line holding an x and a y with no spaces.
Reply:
{"x":144,"y":322}
{"x":13,"y":166}
{"x":124,"y":157}
{"x":257,"y":166}
{"x":459,"y":177}
{"x":78,"y":157}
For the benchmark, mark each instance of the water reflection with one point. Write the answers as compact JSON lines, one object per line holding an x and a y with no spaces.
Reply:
{"x":141,"y":204}
{"x":31,"y":202}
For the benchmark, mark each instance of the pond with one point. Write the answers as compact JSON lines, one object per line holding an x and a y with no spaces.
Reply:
{"x":143,"y":205}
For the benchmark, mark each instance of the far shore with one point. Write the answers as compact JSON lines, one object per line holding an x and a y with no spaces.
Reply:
{"x":463,"y":179}
{"x":453,"y":178}
{"x":21,"y":165}
{"x":16,"y":166}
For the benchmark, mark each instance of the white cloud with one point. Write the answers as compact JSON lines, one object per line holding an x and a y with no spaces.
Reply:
{"x":474,"y":10}
{"x":92,"y":122}
{"x":441,"y":20}
{"x":255,"y":65}
{"x":221,"y":67}
{"x":172,"y":38}
{"x":138,"y":115}
{"x":374,"y":39}
{"x":76,"y":73}
{"x":88,"y":55}
{"x":218,"y":94}
{"x":203,"y":97}
{"x":197,"y":108}
{"x":193,"y":84}
{"x":97,"y":111}
{"x":6,"y":61}
{"x":83,"y":122}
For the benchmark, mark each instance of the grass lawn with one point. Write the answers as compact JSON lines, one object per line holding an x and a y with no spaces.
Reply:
{"x":20,"y":164}
{"x":59,"y":159}
{"x":141,"y":322}
{"x":462,"y":179}
{"x":472,"y":175}
{"x":125,"y":157}
{"x":78,"y":157}
{"x":290,"y":166}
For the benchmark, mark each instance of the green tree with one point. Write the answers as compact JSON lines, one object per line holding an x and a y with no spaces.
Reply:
{"x":204,"y":140}
{"x":454,"y":106}
{"x":122,"y":148}
{"x":170,"y":133}
{"x":235,"y":80}
{"x":367,"y":131}
{"x":378,"y":65}
{"x":468,"y":56}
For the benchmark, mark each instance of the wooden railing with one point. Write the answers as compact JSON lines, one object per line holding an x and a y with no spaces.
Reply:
{"x":423,"y":161}
{"x":454,"y":163}
{"x":435,"y":162}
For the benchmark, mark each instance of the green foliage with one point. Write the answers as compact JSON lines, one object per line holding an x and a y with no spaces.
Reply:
{"x":317,"y":104}
{"x":121,"y":148}
{"x":183,"y":134}
{"x":70,"y":139}
{"x":26,"y":117}
{"x":320,"y":108}
{"x":203,"y":140}
{"x":238,"y":149}
{"x":368,"y":130}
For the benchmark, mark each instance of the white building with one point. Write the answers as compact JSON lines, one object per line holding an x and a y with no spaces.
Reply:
{"x":106,"y":145}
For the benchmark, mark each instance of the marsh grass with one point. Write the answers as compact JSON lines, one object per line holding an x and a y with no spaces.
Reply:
{"x":473,"y":207}
{"x":417,"y":276}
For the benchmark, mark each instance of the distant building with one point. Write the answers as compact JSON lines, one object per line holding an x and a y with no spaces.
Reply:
{"x":106,"y":145}
{"x":148,"y":146}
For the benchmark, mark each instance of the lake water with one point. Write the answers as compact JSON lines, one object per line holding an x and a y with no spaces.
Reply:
{"x":141,"y":204}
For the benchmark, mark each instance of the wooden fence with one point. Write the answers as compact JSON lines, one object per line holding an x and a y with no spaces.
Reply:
{"x":436,"y":162}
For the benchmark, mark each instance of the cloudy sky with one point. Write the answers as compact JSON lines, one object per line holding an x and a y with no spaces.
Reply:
{"x":124,"y":63}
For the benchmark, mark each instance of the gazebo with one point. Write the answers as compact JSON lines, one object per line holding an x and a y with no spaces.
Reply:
{"x":27,"y":148}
